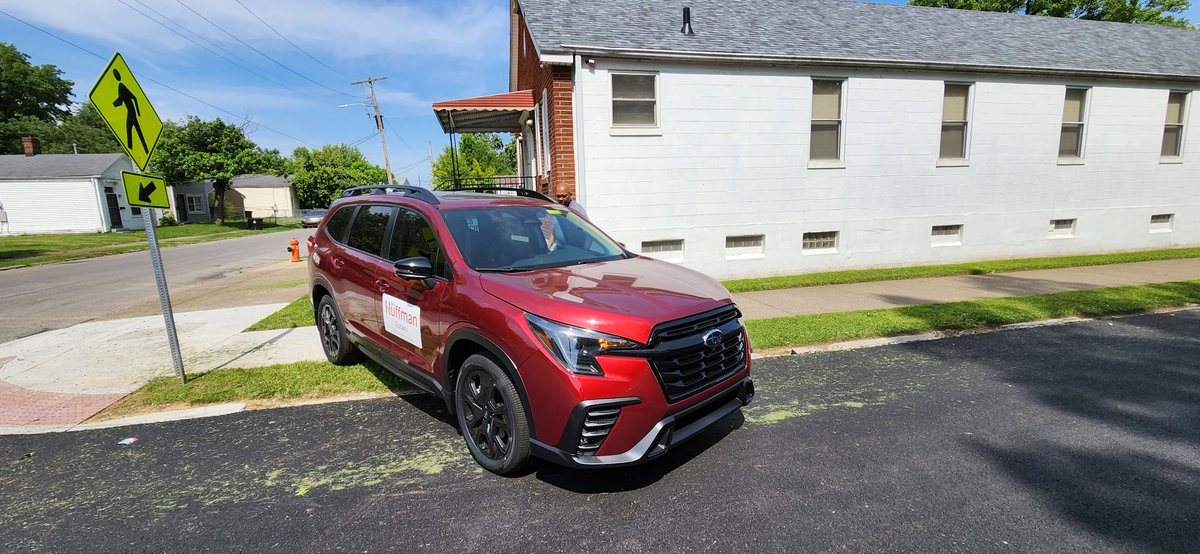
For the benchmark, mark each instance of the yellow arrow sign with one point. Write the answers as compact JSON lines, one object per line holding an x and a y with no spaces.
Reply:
{"x":146,"y":191}
{"x":124,"y":106}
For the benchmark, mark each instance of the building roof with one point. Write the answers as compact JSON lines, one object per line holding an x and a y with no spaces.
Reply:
{"x":59,"y":165}
{"x":485,"y":114}
{"x":860,"y":33}
{"x":259,"y":182}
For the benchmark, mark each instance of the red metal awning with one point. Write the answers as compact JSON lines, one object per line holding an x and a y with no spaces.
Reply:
{"x":498,"y":113}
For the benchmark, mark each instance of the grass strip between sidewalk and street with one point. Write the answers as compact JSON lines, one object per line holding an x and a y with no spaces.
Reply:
{"x":311,"y":380}
{"x":974,"y":314}
{"x":973,"y":268}
{"x":22,"y":250}
{"x":296,"y":314}
{"x":268,"y":384}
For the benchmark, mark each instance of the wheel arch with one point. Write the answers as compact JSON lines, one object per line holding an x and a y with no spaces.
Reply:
{"x":464,"y":343}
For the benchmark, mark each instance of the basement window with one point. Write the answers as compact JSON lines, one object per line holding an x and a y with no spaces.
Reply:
{"x":634,"y":100}
{"x":663,"y":249}
{"x":1162,"y":223}
{"x":946,"y":235}
{"x":820,"y":242}
{"x":744,"y":246}
{"x":1062,"y":229}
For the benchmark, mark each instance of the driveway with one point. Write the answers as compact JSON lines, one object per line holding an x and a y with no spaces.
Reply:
{"x":1074,"y":438}
{"x":54,"y":296}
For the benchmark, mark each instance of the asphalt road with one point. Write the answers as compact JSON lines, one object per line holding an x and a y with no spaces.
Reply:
{"x":53,"y":296}
{"x":1075,"y":438}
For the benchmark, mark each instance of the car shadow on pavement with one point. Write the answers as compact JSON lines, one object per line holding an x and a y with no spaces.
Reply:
{"x":593,"y":481}
{"x":1133,"y":476}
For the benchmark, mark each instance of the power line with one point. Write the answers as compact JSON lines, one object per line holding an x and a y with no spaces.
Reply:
{"x":286,"y":39}
{"x":209,"y":50}
{"x":365,"y":139}
{"x":157,"y":82}
{"x":247,"y":45}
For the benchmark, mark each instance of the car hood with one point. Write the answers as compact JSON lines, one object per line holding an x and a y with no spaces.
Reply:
{"x":625,"y":297}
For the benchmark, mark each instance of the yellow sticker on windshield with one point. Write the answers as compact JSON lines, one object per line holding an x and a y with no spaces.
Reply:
{"x":555,"y":212}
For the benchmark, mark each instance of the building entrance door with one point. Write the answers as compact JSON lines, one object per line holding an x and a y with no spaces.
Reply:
{"x":114,"y":207}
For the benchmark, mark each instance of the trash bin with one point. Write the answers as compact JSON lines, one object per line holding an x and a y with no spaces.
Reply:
{"x":254,"y":223}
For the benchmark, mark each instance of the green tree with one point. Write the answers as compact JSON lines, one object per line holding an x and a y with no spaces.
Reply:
{"x":1153,"y":12}
{"x":479,"y":155}
{"x":201,"y":150}
{"x":320,"y":175}
{"x":29,"y":90}
{"x":80,"y":131}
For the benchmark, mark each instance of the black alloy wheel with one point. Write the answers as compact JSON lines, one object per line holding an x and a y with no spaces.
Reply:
{"x":334,"y":341}
{"x":491,"y":416}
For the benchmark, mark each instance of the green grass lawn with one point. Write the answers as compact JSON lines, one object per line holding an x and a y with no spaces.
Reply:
{"x":974,"y":268}
{"x":296,"y":314}
{"x":36,"y":249}
{"x":976,"y":314}
{"x":275,"y":383}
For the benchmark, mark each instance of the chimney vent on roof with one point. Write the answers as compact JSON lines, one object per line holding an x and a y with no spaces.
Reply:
{"x":687,"y":22}
{"x":32,"y":146}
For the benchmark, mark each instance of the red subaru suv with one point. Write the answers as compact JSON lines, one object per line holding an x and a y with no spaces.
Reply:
{"x":543,"y":335}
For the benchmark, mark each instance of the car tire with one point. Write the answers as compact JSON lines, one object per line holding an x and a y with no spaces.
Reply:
{"x":332,"y":330}
{"x":491,"y":416}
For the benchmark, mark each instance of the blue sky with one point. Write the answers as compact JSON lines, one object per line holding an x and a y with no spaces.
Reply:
{"x":291,"y":64}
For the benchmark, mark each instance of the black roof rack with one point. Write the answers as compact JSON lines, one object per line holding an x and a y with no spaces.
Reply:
{"x":519,"y":191}
{"x":407,"y":190}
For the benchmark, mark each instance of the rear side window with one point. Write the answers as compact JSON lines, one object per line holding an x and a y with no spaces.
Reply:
{"x":337,"y":223}
{"x":414,"y":237}
{"x":369,"y":228}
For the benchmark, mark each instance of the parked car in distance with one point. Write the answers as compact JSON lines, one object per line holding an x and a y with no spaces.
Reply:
{"x":312,"y":218}
{"x":543,"y":336}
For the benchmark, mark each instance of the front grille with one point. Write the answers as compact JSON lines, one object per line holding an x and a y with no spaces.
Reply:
{"x":685,"y":365}
{"x":596,"y":425}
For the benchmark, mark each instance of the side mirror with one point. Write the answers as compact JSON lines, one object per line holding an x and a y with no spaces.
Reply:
{"x":416,"y":267}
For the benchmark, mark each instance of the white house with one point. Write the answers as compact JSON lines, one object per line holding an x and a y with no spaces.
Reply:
{"x":809,"y":135}
{"x":65,"y":193}
{"x":265,"y":195}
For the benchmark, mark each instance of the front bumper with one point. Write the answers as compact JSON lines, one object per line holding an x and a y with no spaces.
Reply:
{"x":666,"y":434}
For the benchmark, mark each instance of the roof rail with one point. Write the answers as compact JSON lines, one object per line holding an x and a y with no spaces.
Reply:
{"x":407,"y":190}
{"x":519,"y":191}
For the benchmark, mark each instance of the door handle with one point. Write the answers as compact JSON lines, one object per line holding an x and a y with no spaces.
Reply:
{"x":382,"y":285}
{"x":338,"y":262}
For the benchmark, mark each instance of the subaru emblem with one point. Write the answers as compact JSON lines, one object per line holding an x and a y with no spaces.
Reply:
{"x":713,"y":338}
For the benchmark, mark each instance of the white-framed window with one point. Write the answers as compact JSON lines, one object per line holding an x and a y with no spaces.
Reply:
{"x":956,"y":110}
{"x":742,"y":246}
{"x":825,"y":138}
{"x":1162,"y":223}
{"x":634,"y":99}
{"x":946,"y":235}
{"x":195,"y":203}
{"x":819,"y":242}
{"x":1061,"y":228}
{"x":1070,"y":141}
{"x":1172,"y":144}
{"x":669,"y":249}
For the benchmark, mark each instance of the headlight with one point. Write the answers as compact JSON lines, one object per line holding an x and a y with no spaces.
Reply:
{"x":574,"y":347}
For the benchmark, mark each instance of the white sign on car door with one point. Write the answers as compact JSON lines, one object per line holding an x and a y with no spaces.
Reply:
{"x":402,"y":319}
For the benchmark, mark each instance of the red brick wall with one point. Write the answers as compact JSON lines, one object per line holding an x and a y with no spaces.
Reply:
{"x":556,"y":79}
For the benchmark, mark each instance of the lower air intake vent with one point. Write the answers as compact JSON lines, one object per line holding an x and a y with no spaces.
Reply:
{"x":596,"y":425}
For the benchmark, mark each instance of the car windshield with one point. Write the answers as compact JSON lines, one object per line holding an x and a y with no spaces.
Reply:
{"x":522,"y":238}
{"x":315,"y":213}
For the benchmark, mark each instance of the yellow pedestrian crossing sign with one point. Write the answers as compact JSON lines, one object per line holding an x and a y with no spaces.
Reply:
{"x":146,"y":191}
{"x":124,"y":106}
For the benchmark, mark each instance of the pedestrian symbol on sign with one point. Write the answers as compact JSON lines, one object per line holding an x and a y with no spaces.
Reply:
{"x":125,"y":109}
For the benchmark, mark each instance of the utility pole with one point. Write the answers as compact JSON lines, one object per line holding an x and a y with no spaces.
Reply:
{"x":370,"y":82}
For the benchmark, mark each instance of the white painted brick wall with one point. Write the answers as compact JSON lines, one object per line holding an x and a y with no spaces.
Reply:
{"x":731,"y":158}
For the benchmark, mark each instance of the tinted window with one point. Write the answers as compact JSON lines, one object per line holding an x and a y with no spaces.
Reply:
{"x":337,"y":224}
{"x":369,"y":228}
{"x":414,"y":237}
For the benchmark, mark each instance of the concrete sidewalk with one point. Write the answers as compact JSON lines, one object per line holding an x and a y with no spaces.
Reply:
{"x":936,"y":290}
{"x":58,"y":379}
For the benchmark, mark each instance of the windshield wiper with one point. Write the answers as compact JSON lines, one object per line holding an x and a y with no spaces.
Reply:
{"x":501,"y":269}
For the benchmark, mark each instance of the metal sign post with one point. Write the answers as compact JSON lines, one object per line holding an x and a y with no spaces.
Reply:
{"x":164,"y":298}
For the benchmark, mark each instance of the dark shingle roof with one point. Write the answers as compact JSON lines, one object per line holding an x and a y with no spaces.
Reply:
{"x":59,"y":165}
{"x":258,"y":182}
{"x":858,"y":31}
